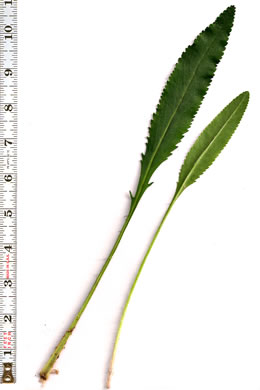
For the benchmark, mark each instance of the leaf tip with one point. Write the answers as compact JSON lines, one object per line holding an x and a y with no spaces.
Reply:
{"x":226,"y":18}
{"x":245,"y":96}
{"x":231,"y":10}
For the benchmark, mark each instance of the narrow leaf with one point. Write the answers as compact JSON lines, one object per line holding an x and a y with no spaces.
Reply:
{"x":211,"y":142}
{"x":201,"y":155}
{"x":182,"y":96}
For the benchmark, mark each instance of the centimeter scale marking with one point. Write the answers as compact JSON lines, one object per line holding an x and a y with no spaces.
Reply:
{"x":8,"y":180}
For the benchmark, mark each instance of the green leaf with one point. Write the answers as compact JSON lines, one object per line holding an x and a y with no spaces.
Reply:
{"x":182,"y":97}
{"x":210,"y":142}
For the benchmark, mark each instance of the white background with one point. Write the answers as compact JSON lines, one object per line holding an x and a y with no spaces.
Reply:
{"x":90,"y":76}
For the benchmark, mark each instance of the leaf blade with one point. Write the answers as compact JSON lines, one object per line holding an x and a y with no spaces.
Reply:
{"x":211,"y":142}
{"x":182,"y":96}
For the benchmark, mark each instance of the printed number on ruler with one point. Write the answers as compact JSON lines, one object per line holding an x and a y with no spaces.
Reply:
{"x":8,"y":180}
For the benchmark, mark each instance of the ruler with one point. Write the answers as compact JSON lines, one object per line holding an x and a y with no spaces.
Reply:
{"x":8,"y":180}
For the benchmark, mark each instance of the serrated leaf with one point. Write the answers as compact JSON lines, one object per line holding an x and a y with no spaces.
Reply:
{"x":182,"y":97}
{"x":211,"y":142}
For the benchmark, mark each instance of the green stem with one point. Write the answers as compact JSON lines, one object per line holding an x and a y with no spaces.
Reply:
{"x":111,"y":364}
{"x":46,"y":370}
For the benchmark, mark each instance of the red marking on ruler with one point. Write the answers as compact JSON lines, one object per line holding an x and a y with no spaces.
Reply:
{"x":7,"y":340}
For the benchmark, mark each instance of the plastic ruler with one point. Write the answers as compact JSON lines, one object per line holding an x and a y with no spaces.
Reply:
{"x":8,"y":180}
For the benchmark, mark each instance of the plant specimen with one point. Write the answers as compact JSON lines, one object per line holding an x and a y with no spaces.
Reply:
{"x":201,"y":155}
{"x":178,"y":105}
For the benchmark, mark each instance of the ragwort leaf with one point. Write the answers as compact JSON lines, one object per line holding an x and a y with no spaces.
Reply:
{"x":182,"y":97}
{"x":211,"y":142}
